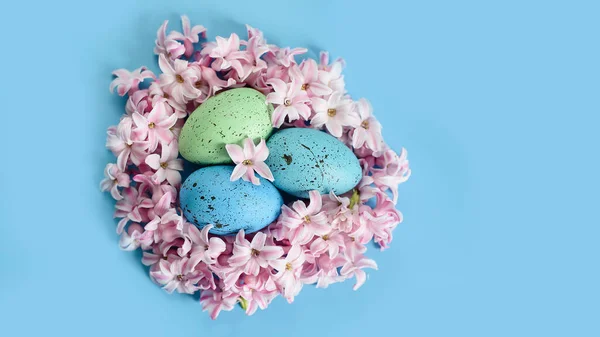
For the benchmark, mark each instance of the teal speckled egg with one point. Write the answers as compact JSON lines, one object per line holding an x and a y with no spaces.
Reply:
{"x":227,"y":118}
{"x":208,"y":197}
{"x":305,"y":159}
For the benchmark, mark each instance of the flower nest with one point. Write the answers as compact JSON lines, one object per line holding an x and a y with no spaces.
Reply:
{"x":317,"y":241}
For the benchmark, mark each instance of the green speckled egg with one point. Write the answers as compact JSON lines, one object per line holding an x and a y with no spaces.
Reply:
{"x":227,"y":118}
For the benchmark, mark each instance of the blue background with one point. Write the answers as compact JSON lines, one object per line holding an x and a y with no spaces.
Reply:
{"x":497,"y":103}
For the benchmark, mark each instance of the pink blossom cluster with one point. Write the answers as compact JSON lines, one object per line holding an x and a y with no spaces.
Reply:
{"x":318,"y":241}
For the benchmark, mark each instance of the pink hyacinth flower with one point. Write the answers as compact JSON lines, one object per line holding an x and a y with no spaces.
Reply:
{"x":331,"y":74}
{"x":128,"y":208}
{"x":288,"y":272}
{"x":370,"y":225}
{"x":190,"y":35}
{"x":139,"y":102}
{"x":178,"y":275}
{"x":222,"y":49}
{"x":352,"y":247}
{"x":174,"y":49}
{"x":149,"y":186}
{"x":165,"y":45}
{"x":249,"y":159}
{"x":161,"y":37}
{"x":155,"y":126}
{"x":251,"y":256}
{"x":394,"y":172}
{"x":369,"y":130}
{"x":227,"y":55}
{"x":290,"y":99}
{"x":327,"y":243}
{"x":343,"y":216}
{"x":256,"y":48}
{"x":162,"y":213}
{"x":119,"y":142}
{"x":167,"y":166}
{"x":134,"y":238}
{"x":307,"y":74}
{"x":324,"y":61}
{"x":113,"y":179}
{"x":300,"y":235}
{"x":354,"y":267}
{"x":204,"y":248}
{"x":160,"y":96}
{"x":286,"y":56}
{"x":334,"y":113}
{"x":312,"y":217}
{"x":328,"y":273}
{"x":214,"y":301}
{"x":252,"y":32}
{"x":258,"y":299}
{"x":257,"y":291}
{"x":178,"y":79}
{"x":124,"y":145}
{"x":128,"y":82}
{"x":280,"y":72}
{"x":210,"y":83}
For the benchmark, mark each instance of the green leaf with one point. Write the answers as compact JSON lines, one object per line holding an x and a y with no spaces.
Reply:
{"x":243,"y":303}
{"x":355,"y":199}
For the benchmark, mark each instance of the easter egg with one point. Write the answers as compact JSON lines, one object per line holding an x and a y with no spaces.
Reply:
{"x":227,"y":118}
{"x":303,"y":160}
{"x":207,"y":196}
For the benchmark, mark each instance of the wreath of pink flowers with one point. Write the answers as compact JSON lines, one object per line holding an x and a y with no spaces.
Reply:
{"x":322,"y":240}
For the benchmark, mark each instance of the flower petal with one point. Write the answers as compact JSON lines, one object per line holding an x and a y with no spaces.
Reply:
{"x":271,"y":252}
{"x":262,"y":152}
{"x":235,"y":153}
{"x":238,"y":172}
{"x":316,"y":202}
{"x":319,"y":119}
{"x":300,"y":207}
{"x":361,"y":277}
{"x":278,"y":116}
{"x":160,"y":176}
{"x":263,"y":170}
{"x":278,"y":85}
{"x":173,"y":177}
{"x":334,"y":128}
{"x":319,"y":104}
{"x":164,"y":65}
{"x":258,"y":242}
{"x":153,"y":161}
{"x":176,"y":164}
{"x":252,"y":267}
{"x":249,"y":148}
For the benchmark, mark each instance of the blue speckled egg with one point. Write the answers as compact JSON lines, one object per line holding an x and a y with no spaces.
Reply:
{"x":208,"y":197}
{"x":305,"y":159}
